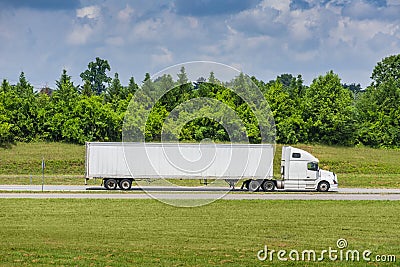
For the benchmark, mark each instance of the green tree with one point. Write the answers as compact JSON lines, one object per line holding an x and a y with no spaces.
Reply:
{"x":59,"y":108}
{"x":23,"y":87}
{"x":378,"y":108}
{"x":19,"y":101}
{"x":379,"y":115}
{"x":388,"y":68}
{"x":115,"y":91}
{"x":91,"y":120}
{"x":287,"y":113}
{"x":183,"y":89}
{"x":86,"y":89}
{"x":146,"y":77}
{"x":329,"y":111}
{"x":43,"y":102}
{"x":132,"y":87}
{"x":5,"y":86}
{"x":212,"y":79}
{"x":285,"y":79}
{"x":173,"y":94}
{"x":96,"y":74}
{"x":66,"y":90}
{"x":5,"y":127}
{"x":182,"y":77}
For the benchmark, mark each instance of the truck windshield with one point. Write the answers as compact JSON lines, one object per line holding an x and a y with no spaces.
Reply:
{"x":312,"y":166}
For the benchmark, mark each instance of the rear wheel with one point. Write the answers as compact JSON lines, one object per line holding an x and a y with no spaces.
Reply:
{"x":125,"y":184}
{"x":268,"y":186}
{"x":110,"y":184}
{"x":254,"y":185}
{"x":323,"y":186}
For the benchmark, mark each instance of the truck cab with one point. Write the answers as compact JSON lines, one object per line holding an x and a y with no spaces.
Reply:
{"x":300,"y":171}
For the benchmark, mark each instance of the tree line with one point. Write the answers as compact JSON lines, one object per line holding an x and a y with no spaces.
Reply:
{"x":325,"y":112}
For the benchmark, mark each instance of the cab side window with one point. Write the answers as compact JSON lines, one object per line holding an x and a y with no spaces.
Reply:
{"x":312,"y":166}
{"x":296,"y":155}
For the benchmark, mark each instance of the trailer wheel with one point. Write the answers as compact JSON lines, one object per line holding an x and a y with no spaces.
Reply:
{"x":254,"y":185}
{"x":323,"y":186}
{"x":110,"y":184}
{"x":268,"y":186}
{"x":125,"y":184}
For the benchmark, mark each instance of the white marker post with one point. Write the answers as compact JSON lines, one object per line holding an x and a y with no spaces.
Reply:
{"x":43,"y":167}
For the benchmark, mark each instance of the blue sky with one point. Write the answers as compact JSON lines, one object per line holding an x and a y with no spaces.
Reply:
{"x":261,"y":38}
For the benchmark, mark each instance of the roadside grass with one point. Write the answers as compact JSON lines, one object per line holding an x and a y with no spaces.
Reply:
{"x":80,"y":180}
{"x":20,"y":179}
{"x":25,"y":159}
{"x":84,"y":232}
{"x":65,"y":164}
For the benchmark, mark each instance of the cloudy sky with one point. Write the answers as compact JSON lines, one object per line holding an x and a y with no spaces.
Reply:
{"x":264,"y":38}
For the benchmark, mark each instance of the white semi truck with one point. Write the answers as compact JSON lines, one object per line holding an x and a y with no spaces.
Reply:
{"x":119,"y":164}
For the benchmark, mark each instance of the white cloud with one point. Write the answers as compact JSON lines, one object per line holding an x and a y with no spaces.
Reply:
{"x":90,"y":12}
{"x":306,"y":56}
{"x":125,"y":14}
{"x":5,"y":33}
{"x":265,"y":21}
{"x":115,"y":41}
{"x":281,"y":5}
{"x":355,"y":32}
{"x":193,"y":22}
{"x":164,"y":56}
{"x":87,"y":26}
{"x":360,"y":10}
{"x":148,"y":29}
{"x":302,"y":23}
{"x":393,"y":2}
{"x":143,"y":36}
{"x":80,"y":34}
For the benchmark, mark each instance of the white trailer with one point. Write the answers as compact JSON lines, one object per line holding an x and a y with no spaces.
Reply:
{"x":119,"y":164}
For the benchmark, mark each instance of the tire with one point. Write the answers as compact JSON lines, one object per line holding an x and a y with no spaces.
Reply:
{"x":268,"y":186}
{"x":125,"y":184}
{"x":254,"y":185}
{"x":323,"y":186}
{"x":110,"y":184}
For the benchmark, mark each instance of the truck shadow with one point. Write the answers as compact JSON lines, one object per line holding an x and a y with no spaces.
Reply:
{"x":195,"y":189}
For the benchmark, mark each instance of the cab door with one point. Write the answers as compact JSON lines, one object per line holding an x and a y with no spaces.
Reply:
{"x":308,"y":182}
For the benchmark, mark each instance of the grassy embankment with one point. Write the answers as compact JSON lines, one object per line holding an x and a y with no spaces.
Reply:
{"x":65,"y":164}
{"x":226,"y":233}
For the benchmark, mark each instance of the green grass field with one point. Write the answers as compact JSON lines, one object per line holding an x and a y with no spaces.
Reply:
{"x":65,"y":164}
{"x":226,"y":233}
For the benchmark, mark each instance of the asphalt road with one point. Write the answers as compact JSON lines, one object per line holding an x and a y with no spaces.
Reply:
{"x":74,"y":191}
{"x":280,"y":196}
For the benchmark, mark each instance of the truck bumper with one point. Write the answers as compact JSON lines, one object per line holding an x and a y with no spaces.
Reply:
{"x":333,"y":187}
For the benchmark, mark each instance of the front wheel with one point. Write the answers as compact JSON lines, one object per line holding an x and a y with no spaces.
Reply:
{"x":323,"y":187}
{"x":268,"y":186}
